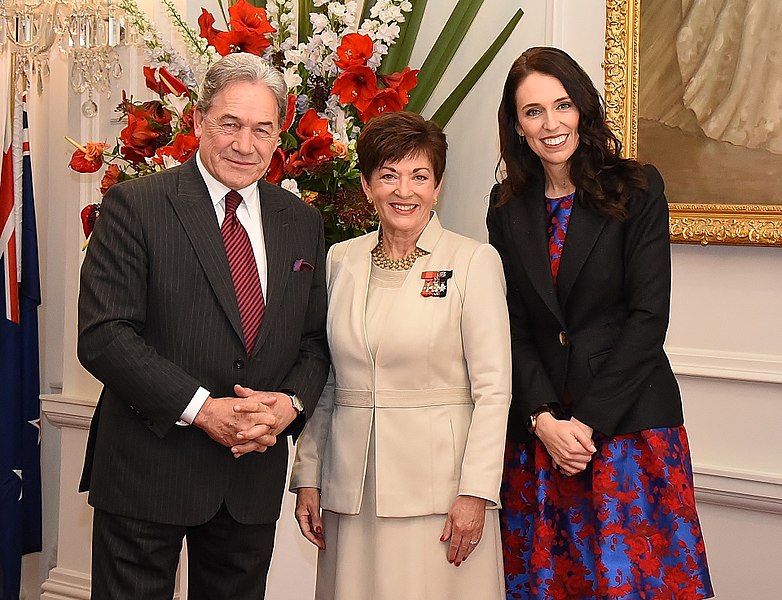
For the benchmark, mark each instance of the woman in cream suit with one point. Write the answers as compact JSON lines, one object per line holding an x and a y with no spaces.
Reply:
{"x":405,"y":456}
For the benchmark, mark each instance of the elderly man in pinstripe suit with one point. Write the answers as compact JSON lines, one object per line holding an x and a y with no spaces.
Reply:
{"x":202,"y":311}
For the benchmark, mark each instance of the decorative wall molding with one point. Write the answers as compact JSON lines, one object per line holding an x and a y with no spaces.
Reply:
{"x":621,"y":76}
{"x":735,"y":366}
{"x":65,"y":411}
{"x":737,"y":224}
{"x":735,"y":488}
{"x":65,"y":584}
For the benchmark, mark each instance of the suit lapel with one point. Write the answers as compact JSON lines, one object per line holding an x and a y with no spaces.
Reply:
{"x":279,"y":257}
{"x":530,"y":213}
{"x":196,"y":213}
{"x":360,"y":264}
{"x":583,"y":230}
{"x":411,"y":287}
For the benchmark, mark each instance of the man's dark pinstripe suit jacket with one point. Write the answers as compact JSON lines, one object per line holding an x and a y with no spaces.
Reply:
{"x":158,"y":318}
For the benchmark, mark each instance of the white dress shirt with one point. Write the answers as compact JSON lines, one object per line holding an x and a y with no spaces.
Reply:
{"x":249,"y":215}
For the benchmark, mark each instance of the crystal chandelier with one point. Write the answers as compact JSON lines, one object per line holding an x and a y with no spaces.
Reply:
{"x":88,"y":31}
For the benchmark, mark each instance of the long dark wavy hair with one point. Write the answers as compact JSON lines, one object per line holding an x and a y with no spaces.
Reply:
{"x":605,"y":182}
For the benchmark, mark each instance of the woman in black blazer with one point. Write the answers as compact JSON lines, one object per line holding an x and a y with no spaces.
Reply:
{"x":597,"y":494}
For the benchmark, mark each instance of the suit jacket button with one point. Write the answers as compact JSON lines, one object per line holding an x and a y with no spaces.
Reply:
{"x":564,"y":342}
{"x":239,"y":363}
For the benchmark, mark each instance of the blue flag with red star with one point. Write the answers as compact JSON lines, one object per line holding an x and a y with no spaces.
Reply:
{"x":20,"y":296}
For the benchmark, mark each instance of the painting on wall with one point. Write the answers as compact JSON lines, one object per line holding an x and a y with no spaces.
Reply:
{"x":695,"y":87}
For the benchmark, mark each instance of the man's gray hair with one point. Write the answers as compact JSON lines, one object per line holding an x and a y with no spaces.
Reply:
{"x":242,"y":66}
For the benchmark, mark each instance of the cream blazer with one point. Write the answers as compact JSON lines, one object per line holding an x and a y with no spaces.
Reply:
{"x":438,"y":389}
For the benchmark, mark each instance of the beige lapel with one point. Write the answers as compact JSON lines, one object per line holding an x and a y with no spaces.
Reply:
{"x":411,"y":288}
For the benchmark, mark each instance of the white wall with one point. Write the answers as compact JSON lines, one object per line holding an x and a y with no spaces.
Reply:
{"x":723,"y":340}
{"x":724,"y":343}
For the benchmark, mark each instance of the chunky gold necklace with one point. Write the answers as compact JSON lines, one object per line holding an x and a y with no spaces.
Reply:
{"x":384,"y":261}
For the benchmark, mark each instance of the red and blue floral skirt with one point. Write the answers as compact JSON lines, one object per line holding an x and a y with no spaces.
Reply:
{"x":626,"y":527}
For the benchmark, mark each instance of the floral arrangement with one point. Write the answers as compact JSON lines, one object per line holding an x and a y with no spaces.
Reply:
{"x":340,"y":74}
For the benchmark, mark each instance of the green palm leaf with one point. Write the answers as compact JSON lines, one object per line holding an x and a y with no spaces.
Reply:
{"x":365,"y":12}
{"x":304,"y":24}
{"x":398,"y":56}
{"x":443,"y":51}
{"x":448,"y":108}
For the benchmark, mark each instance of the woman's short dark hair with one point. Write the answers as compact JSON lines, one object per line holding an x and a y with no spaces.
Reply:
{"x":394,"y":136}
{"x":604,"y":181}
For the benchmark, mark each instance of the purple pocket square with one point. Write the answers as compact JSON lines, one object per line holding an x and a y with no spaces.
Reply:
{"x":302,"y":265}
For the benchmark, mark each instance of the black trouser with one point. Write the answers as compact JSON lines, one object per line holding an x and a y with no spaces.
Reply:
{"x":136,"y":560}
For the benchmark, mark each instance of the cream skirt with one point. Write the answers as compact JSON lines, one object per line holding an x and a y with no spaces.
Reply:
{"x":389,"y":558}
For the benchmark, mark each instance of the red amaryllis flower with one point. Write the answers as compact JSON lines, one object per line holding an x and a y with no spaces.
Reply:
{"x":182,"y":148}
{"x":185,"y":144}
{"x":139,"y":138}
{"x":311,"y":125}
{"x":316,"y":150}
{"x":186,"y":120}
{"x":111,"y":176}
{"x":290,"y":112}
{"x":387,"y":100}
{"x":162,"y":82}
{"x":248,"y":28}
{"x":89,"y":159}
{"x":149,"y":127}
{"x":276,"y":168}
{"x":293,"y":165}
{"x":357,"y":86}
{"x":246,"y":16}
{"x":354,"y":51}
{"x":89,"y":214}
{"x":152,"y":110}
{"x":245,"y":40}
{"x":208,"y":32}
{"x":402,"y":82}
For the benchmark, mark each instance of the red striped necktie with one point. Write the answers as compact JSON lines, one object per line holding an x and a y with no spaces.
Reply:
{"x":244,"y":271}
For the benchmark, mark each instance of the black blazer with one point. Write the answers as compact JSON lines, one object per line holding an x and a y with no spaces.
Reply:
{"x":158,"y":318}
{"x":601,"y":333}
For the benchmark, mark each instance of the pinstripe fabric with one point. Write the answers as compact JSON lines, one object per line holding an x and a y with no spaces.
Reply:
{"x":137,"y":559}
{"x":244,"y":270}
{"x":158,"y":317}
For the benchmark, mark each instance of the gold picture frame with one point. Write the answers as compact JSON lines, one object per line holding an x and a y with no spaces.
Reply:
{"x":733,"y":224}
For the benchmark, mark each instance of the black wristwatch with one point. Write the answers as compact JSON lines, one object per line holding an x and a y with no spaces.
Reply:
{"x":532,"y":422}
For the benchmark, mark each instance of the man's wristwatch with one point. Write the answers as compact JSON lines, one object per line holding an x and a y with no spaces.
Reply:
{"x":295,"y":401}
{"x":532,"y":422}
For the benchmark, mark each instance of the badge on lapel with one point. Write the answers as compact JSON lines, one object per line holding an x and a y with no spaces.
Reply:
{"x":435,"y":283}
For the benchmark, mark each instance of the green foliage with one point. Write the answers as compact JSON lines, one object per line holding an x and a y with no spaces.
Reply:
{"x":440,"y":56}
{"x":398,"y":56}
{"x":454,"y":100}
{"x":304,"y":25}
{"x":443,"y":51}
